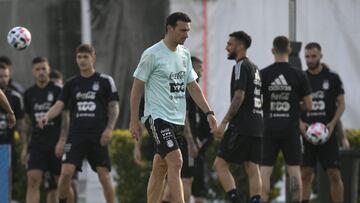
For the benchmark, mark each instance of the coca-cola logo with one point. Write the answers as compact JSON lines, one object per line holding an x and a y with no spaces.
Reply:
{"x":86,"y":95}
{"x":179,"y":76}
{"x":42,"y":107}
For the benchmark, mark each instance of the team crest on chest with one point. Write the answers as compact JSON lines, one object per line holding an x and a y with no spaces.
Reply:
{"x":95,"y":86}
{"x":50,"y":97}
{"x":325,"y":85}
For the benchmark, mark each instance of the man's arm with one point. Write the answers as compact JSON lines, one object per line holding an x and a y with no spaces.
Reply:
{"x":4,"y":103}
{"x":136,"y":92}
{"x":198,"y":96}
{"x":113,"y":114}
{"x":54,"y":111}
{"x":65,"y":123}
{"x":24,"y":127}
{"x":340,"y":101}
{"x":306,"y":104}
{"x":236,"y":102}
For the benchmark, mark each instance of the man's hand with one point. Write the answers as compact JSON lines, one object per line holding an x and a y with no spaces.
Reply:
{"x":59,"y":148}
{"x":212,"y":122}
{"x":193,"y":150}
{"x":11,"y":120}
{"x":303,"y":127}
{"x":331,"y":126}
{"x":137,"y":154}
{"x":106,"y":137}
{"x":136,"y":129}
{"x":43,"y":121}
{"x":219,"y":133}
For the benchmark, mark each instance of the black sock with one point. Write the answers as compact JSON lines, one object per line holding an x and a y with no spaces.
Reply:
{"x":255,"y":199}
{"x":164,"y":201}
{"x":62,"y":200}
{"x":305,"y":201}
{"x":233,"y":196}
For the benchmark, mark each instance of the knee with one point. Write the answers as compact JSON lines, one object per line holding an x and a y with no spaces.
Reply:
{"x":307,"y":175}
{"x":33,"y":182}
{"x":334,"y":176}
{"x":104,"y":176}
{"x":65,"y":176}
{"x":220,"y":165}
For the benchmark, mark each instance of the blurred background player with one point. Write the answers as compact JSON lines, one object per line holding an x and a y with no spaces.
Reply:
{"x":46,"y":145}
{"x":12,"y":83}
{"x":93,"y":101}
{"x":11,"y":109}
{"x":241,"y":142}
{"x":328,"y":106}
{"x":283,"y":88}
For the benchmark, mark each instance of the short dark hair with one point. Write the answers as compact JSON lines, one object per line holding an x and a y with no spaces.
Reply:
{"x":39,"y":59}
{"x":174,"y":17}
{"x":55,"y":74}
{"x":4,"y":66}
{"x":313,"y":45}
{"x":85,"y":48}
{"x":281,"y":44}
{"x":5,"y":60}
{"x":195,"y":59}
{"x":242,"y":37}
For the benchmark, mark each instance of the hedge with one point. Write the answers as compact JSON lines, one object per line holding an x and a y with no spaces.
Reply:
{"x":132,"y":179}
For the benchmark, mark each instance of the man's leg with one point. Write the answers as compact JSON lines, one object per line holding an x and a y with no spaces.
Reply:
{"x":166,"y":197}
{"x":336,"y":185}
{"x":295,"y":183}
{"x":156,"y":180}
{"x":174,"y":163}
{"x":34,"y":178}
{"x":105,"y":180}
{"x":255,"y":184}
{"x":64,"y":183}
{"x":265,"y":172}
{"x":187,"y":182}
{"x":226,"y":179}
{"x":307,"y":177}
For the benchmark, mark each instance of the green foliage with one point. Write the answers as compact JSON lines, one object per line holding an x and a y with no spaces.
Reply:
{"x":133,"y":178}
{"x":353,"y":136}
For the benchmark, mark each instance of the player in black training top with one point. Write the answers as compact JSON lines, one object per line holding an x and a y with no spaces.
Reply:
{"x":241,"y":142}
{"x":200,"y":131}
{"x":93,"y":101}
{"x":46,"y":145}
{"x":283,"y":88}
{"x":328,"y":106}
{"x":11,"y":106}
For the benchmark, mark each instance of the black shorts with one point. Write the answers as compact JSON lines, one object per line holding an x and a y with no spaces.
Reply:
{"x":77,"y":148}
{"x":187,"y":170}
{"x":199,"y":186}
{"x":166,"y":136}
{"x":238,"y":148}
{"x":290,"y":147}
{"x":44,"y":160}
{"x":327,"y":154}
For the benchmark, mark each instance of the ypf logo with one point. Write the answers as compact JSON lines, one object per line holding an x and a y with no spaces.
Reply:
{"x":86,"y":106}
{"x":177,"y":87}
{"x":279,"y":106}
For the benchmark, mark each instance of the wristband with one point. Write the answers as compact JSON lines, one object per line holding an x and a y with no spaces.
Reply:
{"x":210,"y":113}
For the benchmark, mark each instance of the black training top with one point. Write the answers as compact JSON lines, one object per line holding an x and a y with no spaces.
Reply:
{"x":326,"y":86}
{"x":248,"y":119}
{"x":283,"y":88}
{"x":16,"y":102}
{"x":88,"y":100}
{"x":37,"y":102}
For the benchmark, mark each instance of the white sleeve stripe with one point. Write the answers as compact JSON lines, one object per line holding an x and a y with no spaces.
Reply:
{"x":18,"y":95}
{"x":238,"y":70}
{"x":111,"y":81}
